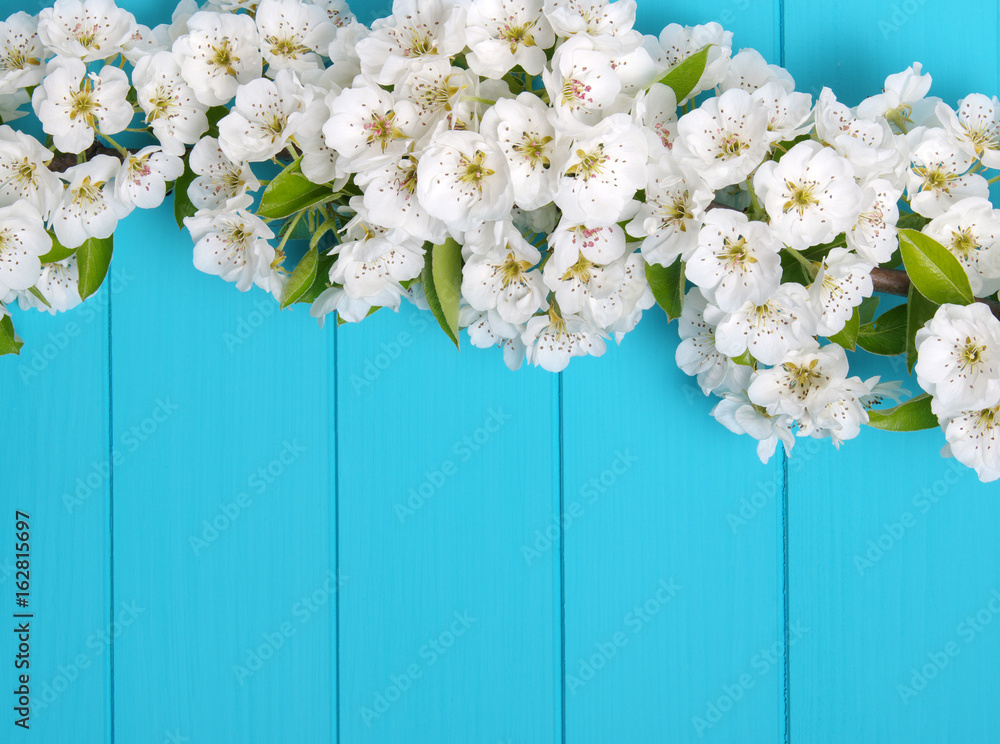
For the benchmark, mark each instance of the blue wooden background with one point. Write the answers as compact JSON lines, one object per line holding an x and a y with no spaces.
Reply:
{"x":248,"y":529}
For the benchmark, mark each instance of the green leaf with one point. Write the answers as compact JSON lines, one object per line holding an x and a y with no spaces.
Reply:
{"x":848,"y":335}
{"x":667,"y":283}
{"x":919,"y":311}
{"x":913,"y":415}
{"x":182,"y":202}
{"x":214,"y":115}
{"x":10,"y":342}
{"x":321,"y":282}
{"x":746,"y":359}
{"x":39,"y":296}
{"x":289,"y":192}
{"x":684,"y":76}
{"x":328,"y":224}
{"x":911,"y":220}
{"x":934,"y":270}
{"x":93,"y":259}
{"x":442,"y":280}
{"x":886,"y":335}
{"x":302,"y":278}
{"x":58,"y":251}
{"x":868,"y":307}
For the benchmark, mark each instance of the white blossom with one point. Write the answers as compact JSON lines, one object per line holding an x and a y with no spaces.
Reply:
{"x":875,"y":236}
{"x":24,"y":174}
{"x":265,"y":115}
{"x":218,"y":179}
{"x":22,"y":240}
{"x":219,"y":52}
{"x":975,"y":127}
{"x":232,"y":243}
{"x":697,"y":354}
{"x":605,"y":168}
{"x":958,"y":358}
{"x":970,"y":229}
{"x":417,"y":30}
{"x":810,"y":195}
{"x":71,"y":103}
{"x":551,"y":341}
{"x":88,"y":30}
{"x":142,"y":180}
{"x":502,"y":34}
{"x":736,"y":260}
{"x":528,"y":142}
{"x":292,"y":33}
{"x":843,"y":281}
{"x":974,"y":439}
{"x":88,"y":208}
{"x":463,"y":179}
{"x":939,"y":175}
{"x":172,"y":111}
{"x":725,"y":138}
{"x":771,"y":329}
{"x":21,"y":53}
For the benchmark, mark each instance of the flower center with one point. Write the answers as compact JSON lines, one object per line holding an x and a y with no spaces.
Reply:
{"x":575,"y":92}
{"x":736,"y":254}
{"x":419,"y":43}
{"x":512,"y":270}
{"x":83,"y":102}
{"x":517,"y":35}
{"x":800,"y":198}
{"x":971,"y":354}
{"x":988,"y":418}
{"x":935,"y":179}
{"x":581,"y":271}
{"x":591,"y":163}
{"x":964,"y":243}
{"x":731,"y":146}
{"x":286,"y":46}
{"x":88,"y":193}
{"x":86,"y":35}
{"x":162,"y":101}
{"x":533,"y":149}
{"x":472,"y":172}
{"x":138,"y":167}
{"x":223,"y":57}
{"x":381,"y":128}
{"x":801,"y":376}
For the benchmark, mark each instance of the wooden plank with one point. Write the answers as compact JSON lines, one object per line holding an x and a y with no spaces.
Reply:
{"x":674,"y":623}
{"x":672,"y":557}
{"x":893,"y":550}
{"x":223,"y":511}
{"x":55,"y":463}
{"x":449,"y":623}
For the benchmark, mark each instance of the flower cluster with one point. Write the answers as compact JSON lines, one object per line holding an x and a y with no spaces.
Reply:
{"x":537,"y":173}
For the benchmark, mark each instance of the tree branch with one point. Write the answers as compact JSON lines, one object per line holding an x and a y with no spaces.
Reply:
{"x":896,"y":282}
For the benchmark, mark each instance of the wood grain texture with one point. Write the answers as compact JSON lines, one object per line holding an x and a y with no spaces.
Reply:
{"x":892,"y":549}
{"x":54,"y":405}
{"x":223,"y":504}
{"x":674,"y":614}
{"x":448,"y":628}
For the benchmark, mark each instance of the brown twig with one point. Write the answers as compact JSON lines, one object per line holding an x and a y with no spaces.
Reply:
{"x":896,"y":282}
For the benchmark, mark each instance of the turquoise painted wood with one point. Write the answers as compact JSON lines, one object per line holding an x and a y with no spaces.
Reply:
{"x":893,"y":579}
{"x":356,"y":534}
{"x":56,"y":466}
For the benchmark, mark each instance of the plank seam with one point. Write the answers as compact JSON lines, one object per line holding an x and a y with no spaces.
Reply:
{"x":335,"y":459}
{"x":111,"y":520}
{"x":785,"y":598}
{"x":562,"y":561}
